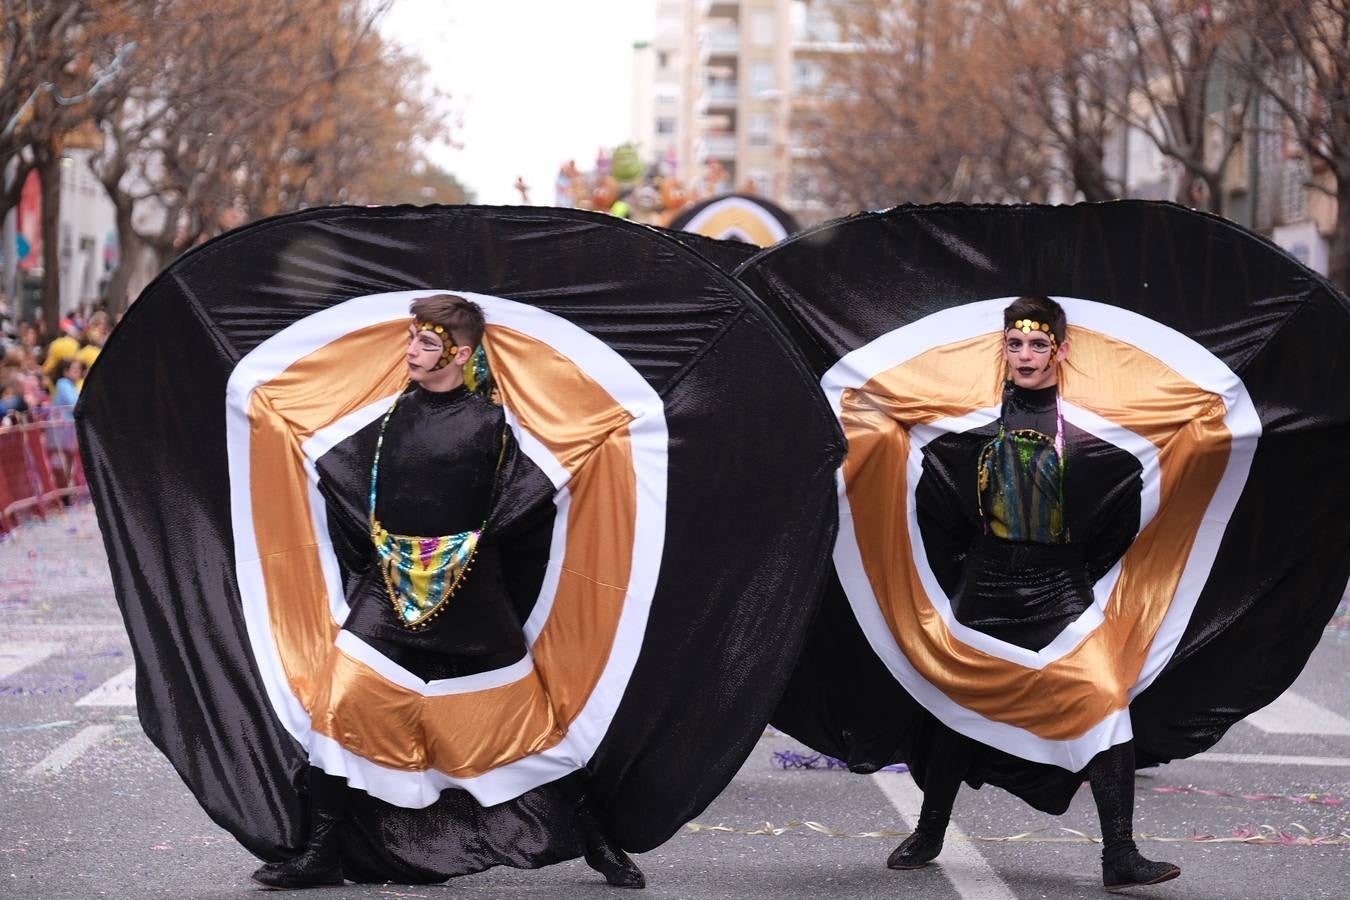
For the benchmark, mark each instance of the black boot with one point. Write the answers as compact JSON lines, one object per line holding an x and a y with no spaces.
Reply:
{"x":602,"y":854}
{"x":917,"y":850}
{"x":949,"y":759}
{"x":617,"y":867}
{"x":924,"y":845}
{"x":1130,"y":869}
{"x":320,"y":863}
{"x":1111,"y":774}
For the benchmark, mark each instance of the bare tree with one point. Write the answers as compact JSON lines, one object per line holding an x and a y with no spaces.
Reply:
{"x":1053,"y":74}
{"x":1186,"y":92}
{"x":905,"y":116}
{"x":248,"y":108}
{"x":55,"y":72}
{"x":1303,"y":68}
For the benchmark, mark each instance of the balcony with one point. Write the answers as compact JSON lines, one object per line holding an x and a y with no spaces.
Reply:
{"x":720,"y":8}
{"x":716,"y":146}
{"x":719,"y":42}
{"x":719,"y":95}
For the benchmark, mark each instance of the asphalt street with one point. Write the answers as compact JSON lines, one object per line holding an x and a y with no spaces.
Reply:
{"x":88,"y":808}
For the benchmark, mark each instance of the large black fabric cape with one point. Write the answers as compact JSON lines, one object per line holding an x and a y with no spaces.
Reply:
{"x":744,"y":470}
{"x":1284,"y":554}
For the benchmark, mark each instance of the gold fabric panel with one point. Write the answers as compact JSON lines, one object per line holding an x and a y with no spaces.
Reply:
{"x":572,"y":649}
{"x":461,"y":734}
{"x":1068,"y":697}
{"x":553,"y":399}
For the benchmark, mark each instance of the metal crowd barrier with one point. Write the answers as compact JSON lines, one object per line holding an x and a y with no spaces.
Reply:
{"x":40,"y":468}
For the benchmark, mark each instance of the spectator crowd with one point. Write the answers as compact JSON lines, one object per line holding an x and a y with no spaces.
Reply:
{"x":41,"y":375}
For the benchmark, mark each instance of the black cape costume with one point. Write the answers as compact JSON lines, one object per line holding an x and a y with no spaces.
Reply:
{"x":655,"y":563}
{"x":1206,"y":367}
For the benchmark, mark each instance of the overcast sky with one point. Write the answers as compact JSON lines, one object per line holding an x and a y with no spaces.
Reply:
{"x":536,"y":82}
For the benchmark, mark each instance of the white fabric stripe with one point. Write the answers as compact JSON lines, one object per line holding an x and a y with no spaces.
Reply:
{"x":15,"y":656}
{"x":120,"y":690}
{"x":53,"y":763}
{"x":1183,"y":355}
{"x":532,"y":447}
{"x":960,"y":861}
{"x":557,"y":549}
{"x":1262,"y":759}
{"x":649,"y":441}
{"x":328,"y":564}
{"x":325,"y":439}
{"x":358,"y":649}
{"x":1294,"y":714}
{"x":760,"y":214}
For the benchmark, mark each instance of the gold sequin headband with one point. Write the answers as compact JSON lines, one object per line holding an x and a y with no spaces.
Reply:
{"x":447,"y":342}
{"x":1027,"y":326}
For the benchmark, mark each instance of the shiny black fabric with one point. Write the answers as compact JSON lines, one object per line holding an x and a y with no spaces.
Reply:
{"x":1285,"y":558}
{"x":439,"y":462}
{"x":741,"y":567}
{"x":1022,"y":592}
{"x":1035,"y":409}
{"x":442,"y":457}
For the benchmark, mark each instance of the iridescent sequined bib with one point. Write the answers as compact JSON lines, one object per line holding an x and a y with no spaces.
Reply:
{"x":1021,"y":484}
{"x":421,"y":574}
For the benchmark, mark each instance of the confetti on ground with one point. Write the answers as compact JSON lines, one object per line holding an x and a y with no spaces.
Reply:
{"x":791,"y":759}
{"x":1314,"y":798}
{"x":1295,"y":835}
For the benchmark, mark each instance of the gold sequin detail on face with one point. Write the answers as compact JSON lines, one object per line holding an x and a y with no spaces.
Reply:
{"x":447,"y":342}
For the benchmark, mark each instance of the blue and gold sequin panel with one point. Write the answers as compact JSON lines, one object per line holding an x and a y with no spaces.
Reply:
{"x":1022,"y":487}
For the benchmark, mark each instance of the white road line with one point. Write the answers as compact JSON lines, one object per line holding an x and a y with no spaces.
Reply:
{"x":119,"y":690}
{"x":1292,"y":714}
{"x":16,"y":656}
{"x":1263,"y":759}
{"x":70,"y":751}
{"x":963,"y":865}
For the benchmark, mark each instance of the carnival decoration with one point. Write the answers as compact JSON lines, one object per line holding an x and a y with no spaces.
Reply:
{"x":666,"y":530}
{"x":1205,"y":377}
{"x":744,"y":217}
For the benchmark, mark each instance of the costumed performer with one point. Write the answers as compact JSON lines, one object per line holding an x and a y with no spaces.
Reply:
{"x":434,"y":597}
{"x":1024,"y":580}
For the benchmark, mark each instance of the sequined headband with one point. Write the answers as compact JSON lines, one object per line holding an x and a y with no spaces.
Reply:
{"x":1027,"y":326}
{"x":447,"y":342}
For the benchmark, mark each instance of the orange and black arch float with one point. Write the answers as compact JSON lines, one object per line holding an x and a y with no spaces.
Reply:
{"x":1206,"y":481}
{"x":655,"y":558}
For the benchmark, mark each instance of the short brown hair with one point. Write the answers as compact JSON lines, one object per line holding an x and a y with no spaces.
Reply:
{"x":1042,"y":309}
{"x":462,"y":318}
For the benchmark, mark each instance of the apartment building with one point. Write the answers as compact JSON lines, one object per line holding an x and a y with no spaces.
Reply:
{"x":717,"y":90}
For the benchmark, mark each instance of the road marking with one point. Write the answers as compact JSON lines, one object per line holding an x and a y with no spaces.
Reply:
{"x":964,"y":866}
{"x":1263,"y":759}
{"x":70,"y":751}
{"x":119,"y":690}
{"x":15,"y":657}
{"x":1292,"y":714}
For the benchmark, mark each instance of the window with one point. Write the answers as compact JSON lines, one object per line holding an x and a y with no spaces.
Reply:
{"x":761,"y":27}
{"x":760,"y":128}
{"x":761,"y":77}
{"x":665,"y":125}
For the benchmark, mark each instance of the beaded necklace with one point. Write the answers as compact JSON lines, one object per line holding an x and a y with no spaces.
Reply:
{"x":420,"y":573}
